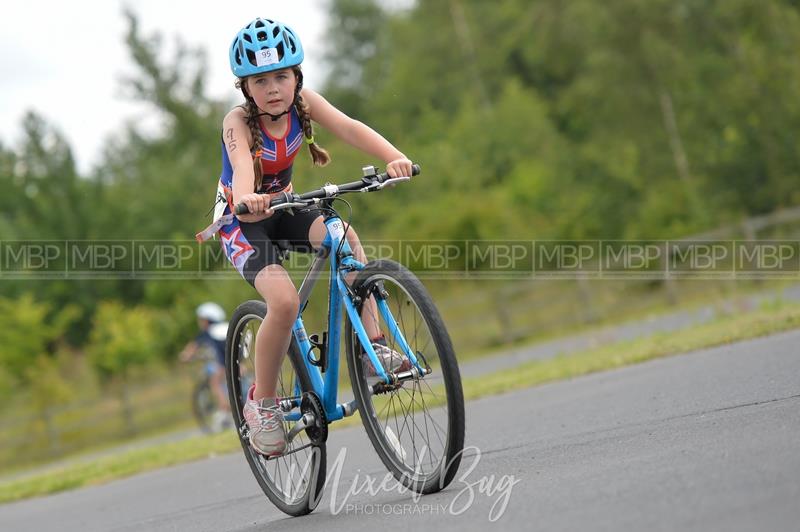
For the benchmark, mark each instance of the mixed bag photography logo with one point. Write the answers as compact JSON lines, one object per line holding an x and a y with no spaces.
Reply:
{"x":467,"y":494}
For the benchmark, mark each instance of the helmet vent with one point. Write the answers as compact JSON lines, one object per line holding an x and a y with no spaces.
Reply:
{"x":280,"y":51}
{"x":247,"y":38}
{"x":261,"y":35}
{"x":275,"y":31}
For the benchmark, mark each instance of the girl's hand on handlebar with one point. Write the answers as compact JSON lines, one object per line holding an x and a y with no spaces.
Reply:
{"x":399,"y":168}
{"x":257,"y":204}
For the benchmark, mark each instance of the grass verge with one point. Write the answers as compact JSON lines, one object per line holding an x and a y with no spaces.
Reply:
{"x":762,"y":322}
{"x":116,"y":466}
{"x":724,"y":330}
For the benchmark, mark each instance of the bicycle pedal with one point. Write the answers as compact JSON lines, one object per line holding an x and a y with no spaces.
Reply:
{"x":244,"y":432}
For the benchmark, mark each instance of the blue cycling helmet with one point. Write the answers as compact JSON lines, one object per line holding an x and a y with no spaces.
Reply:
{"x":263,"y":46}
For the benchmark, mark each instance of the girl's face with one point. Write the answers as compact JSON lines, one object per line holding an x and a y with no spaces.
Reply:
{"x":273,"y":92}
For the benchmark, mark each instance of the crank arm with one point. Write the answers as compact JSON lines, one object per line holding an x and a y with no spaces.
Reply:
{"x":302,"y":424}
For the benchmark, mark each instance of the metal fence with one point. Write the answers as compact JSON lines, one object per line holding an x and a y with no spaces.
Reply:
{"x":28,"y":437}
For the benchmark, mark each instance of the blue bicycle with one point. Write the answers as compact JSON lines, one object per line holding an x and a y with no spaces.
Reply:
{"x":414,"y":418}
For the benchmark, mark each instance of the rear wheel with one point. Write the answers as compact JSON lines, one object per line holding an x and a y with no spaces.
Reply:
{"x":294,"y":481}
{"x":416,"y":428}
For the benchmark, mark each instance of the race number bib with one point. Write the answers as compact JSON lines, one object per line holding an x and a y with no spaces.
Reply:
{"x":267,"y":56}
{"x":336,"y":229}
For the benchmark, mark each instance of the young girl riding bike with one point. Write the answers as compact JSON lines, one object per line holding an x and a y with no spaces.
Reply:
{"x":260,"y":141}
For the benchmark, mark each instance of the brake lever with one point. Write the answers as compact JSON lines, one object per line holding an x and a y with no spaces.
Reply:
{"x":284,"y":206}
{"x":392,"y":181}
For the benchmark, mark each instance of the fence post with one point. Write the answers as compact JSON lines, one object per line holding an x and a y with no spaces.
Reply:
{"x":588,"y":314}
{"x":748,"y":230}
{"x":670,"y":289}
{"x":53,"y":438}
{"x":750,"y":234}
{"x":127,"y":409}
{"x":500,"y":305}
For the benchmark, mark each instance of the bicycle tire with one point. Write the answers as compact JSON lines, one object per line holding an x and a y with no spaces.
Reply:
{"x":203,"y":405}
{"x":392,"y":442}
{"x":239,"y":354}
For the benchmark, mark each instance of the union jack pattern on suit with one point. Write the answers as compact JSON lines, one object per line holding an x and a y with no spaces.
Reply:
{"x":294,"y":144}
{"x":278,"y":153}
{"x":267,"y":154}
{"x":235,"y":246}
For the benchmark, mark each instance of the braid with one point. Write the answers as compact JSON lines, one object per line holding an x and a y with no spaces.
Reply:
{"x":319,"y":155}
{"x":258,"y":142}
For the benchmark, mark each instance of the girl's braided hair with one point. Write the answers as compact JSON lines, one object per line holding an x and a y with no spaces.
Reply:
{"x":319,"y":155}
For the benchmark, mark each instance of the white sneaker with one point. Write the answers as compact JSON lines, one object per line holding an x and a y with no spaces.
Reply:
{"x":391,"y":360}
{"x":265,"y":421}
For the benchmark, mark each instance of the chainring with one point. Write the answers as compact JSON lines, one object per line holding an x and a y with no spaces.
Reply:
{"x":311,"y":404}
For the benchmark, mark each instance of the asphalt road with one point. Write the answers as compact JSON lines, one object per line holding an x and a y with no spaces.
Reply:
{"x":705,"y":441}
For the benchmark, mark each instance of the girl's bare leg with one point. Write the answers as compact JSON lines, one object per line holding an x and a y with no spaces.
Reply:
{"x":274,"y":334}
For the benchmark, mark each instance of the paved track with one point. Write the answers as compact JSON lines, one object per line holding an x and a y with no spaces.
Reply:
{"x":705,"y":441}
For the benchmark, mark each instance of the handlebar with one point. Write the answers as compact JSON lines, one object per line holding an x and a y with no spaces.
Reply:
{"x":371,"y":182}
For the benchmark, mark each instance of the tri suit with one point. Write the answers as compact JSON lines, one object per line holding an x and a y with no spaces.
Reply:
{"x":251,"y":246}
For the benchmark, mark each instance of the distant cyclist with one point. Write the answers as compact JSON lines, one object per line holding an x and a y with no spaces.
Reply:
{"x":213,"y":329}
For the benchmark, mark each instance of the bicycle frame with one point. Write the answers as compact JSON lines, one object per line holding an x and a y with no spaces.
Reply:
{"x":341,"y":263}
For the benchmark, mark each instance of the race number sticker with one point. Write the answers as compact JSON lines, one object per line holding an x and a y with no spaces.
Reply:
{"x":267,"y":56}
{"x":336,"y":229}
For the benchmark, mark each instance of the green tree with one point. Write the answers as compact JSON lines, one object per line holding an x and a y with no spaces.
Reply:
{"x":354,"y":30}
{"x":165,"y":183}
{"x":123,"y":341}
{"x":30,"y":330}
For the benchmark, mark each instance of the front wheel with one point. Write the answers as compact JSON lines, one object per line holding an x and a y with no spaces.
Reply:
{"x":417,"y":428}
{"x":294,"y":481}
